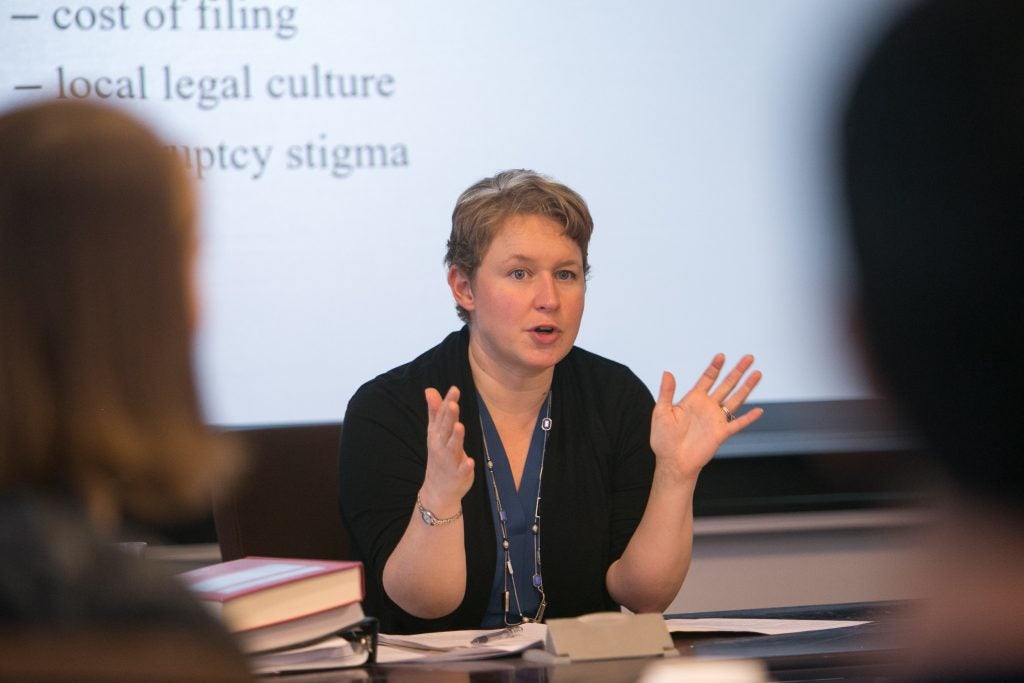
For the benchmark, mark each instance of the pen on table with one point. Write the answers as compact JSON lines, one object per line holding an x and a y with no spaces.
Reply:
{"x":494,"y":635}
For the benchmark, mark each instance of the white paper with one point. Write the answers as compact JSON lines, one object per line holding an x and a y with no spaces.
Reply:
{"x":771,"y":627}
{"x":333,"y":653}
{"x":453,"y":646}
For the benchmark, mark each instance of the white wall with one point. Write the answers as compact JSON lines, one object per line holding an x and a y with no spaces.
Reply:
{"x":801,"y":559}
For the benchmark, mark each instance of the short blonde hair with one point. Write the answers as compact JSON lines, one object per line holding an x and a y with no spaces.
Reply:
{"x":96,"y":379}
{"x":483,"y":208}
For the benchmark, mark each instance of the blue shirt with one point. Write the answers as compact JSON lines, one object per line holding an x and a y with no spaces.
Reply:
{"x":520,"y":507}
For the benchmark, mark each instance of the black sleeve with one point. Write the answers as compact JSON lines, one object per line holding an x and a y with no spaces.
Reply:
{"x":382,"y":460}
{"x":633,"y":466}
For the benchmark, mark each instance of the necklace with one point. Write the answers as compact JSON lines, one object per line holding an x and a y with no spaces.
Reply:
{"x":537,"y":580}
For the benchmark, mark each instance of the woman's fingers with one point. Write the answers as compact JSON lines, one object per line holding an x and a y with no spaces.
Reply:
{"x":667,"y":391}
{"x":739,"y":397}
{"x":444,"y":431}
{"x":455,"y":439}
{"x":745,"y":420}
{"x":731,"y":401}
{"x":707,"y":380}
{"x":731,"y":393}
{"x":449,"y":472}
{"x":433,"y":401}
{"x":722,"y":391}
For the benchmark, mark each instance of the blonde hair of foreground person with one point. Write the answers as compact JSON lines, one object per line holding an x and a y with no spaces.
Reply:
{"x":97,"y":307}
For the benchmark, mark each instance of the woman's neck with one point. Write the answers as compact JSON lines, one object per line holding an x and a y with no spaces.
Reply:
{"x":506,"y":392}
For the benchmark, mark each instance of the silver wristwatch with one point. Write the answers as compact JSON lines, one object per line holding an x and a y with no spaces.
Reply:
{"x":430,"y":519}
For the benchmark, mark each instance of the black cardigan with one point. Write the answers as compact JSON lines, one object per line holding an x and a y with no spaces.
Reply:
{"x":597,"y":476}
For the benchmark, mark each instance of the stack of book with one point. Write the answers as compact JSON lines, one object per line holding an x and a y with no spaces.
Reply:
{"x":288,"y":614}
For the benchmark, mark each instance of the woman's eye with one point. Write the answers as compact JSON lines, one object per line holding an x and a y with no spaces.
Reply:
{"x":518,"y":274}
{"x":565,"y":275}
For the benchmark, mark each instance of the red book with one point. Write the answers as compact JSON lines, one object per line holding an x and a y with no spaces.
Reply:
{"x":272,"y":602}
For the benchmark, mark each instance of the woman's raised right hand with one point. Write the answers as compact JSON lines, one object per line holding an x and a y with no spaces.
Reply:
{"x":449,"y":470}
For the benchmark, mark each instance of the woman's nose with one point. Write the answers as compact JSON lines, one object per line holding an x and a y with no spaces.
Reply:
{"x":546,"y":296}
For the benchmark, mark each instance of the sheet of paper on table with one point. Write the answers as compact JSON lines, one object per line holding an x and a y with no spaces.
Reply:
{"x":452,"y":646}
{"x":772,"y":627}
{"x":332,"y":653}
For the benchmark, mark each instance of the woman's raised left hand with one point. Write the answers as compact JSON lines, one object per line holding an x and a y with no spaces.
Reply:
{"x":686,"y":434}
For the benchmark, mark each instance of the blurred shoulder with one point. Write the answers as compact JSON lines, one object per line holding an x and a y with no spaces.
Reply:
{"x":56,"y":570}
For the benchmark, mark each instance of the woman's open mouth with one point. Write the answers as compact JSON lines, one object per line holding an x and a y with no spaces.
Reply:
{"x":544,"y":332}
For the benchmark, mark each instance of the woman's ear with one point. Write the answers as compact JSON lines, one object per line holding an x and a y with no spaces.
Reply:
{"x":462,"y":288}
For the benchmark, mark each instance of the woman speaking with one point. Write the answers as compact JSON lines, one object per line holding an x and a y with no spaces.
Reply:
{"x":506,"y":475}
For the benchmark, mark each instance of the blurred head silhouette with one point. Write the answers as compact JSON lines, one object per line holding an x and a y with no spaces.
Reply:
{"x":97,"y":308}
{"x":933,"y":165}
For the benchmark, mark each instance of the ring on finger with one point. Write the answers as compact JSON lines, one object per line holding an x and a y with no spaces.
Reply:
{"x":729,"y":417}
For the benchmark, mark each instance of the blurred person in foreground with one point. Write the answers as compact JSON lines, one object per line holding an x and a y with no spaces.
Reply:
{"x":99,"y":418}
{"x":933,"y":165}
{"x":507,"y":475}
